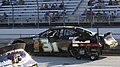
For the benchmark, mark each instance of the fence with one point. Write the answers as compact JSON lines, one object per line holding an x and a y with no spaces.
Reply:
{"x":67,"y":19}
{"x":30,"y":13}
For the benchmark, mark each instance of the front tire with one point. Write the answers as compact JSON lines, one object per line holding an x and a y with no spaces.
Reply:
{"x":74,"y":52}
{"x":94,"y":57}
{"x":78,"y":57}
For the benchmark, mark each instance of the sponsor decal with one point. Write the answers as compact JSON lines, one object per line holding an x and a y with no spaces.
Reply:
{"x":49,"y":47}
{"x":87,"y":41}
{"x":75,"y":45}
{"x":6,"y":63}
{"x":36,"y":44}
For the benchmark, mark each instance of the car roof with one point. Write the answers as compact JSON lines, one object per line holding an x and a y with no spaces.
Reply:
{"x":59,"y":27}
{"x":73,"y":27}
{"x":69,"y":27}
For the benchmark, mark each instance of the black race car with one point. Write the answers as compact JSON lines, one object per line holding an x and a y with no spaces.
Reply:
{"x":76,"y":41}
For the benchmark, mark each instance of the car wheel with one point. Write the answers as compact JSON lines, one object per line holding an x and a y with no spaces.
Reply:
{"x":78,"y":57}
{"x":74,"y":52}
{"x":93,"y":57}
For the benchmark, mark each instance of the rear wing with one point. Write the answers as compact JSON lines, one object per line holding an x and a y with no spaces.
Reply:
{"x":110,"y":41}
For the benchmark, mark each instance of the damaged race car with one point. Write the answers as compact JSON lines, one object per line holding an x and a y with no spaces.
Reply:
{"x":75,"y":41}
{"x":14,"y":55}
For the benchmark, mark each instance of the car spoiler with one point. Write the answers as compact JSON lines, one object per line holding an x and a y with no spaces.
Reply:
{"x":110,"y":41}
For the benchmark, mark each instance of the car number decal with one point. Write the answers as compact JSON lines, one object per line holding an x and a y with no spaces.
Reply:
{"x":36,"y":44}
{"x":49,"y":47}
{"x":46,"y":45}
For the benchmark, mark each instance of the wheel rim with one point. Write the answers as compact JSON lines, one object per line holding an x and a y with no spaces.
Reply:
{"x":92,"y":57}
{"x":78,"y":57}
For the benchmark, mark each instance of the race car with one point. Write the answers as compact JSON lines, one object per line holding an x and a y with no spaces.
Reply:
{"x":14,"y":55}
{"x":75,"y":41}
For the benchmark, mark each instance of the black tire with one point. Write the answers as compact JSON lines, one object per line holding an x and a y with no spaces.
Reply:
{"x":74,"y":52}
{"x":94,"y":57}
{"x":78,"y":57}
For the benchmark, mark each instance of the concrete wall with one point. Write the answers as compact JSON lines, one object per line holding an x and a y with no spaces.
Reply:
{"x":9,"y":34}
{"x":15,"y":33}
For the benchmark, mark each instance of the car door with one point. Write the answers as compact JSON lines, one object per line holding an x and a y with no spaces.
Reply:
{"x":66,"y":36}
{"x":47,"y":41}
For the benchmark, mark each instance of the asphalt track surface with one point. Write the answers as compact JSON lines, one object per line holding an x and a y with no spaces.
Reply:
{"x":104,"y":61}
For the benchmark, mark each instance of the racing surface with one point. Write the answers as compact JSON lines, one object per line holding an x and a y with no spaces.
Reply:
{"x":104,"y":61}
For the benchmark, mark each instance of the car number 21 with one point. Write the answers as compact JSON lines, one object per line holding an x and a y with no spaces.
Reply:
{"x":46,"y":45}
